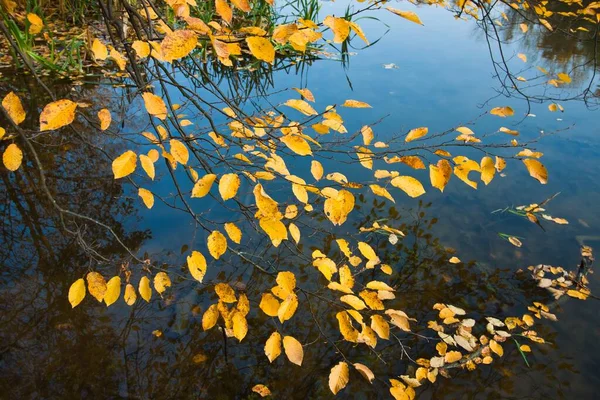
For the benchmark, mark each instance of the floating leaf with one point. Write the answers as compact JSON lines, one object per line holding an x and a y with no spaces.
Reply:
{"x":355,"y":104}
{"x":147,"y":197}
{"x":203,"y":185}
{"x":416,"y":133}
{"x":440,"y":174}
{"x":365,"y":372}
{"x":161,"y":282}
{"x":76,"y":292}
{"x":130,"y":297}
{"x":210,"y":317}
{"x":409,"y":15}
{"x":228,"y":186}
{"x":381,"y":191}
{"x":293,"y":350}
{"x":316,"y":169}
{"x":287,"y":308}
{"x":99,"y":50}
{"x":339,"y":26}
{"x":240,"y":326}
{"x":155,"y":105}
{"x":261,"y":48}
{"x":96,"y":285}
{"x":57,"y":114}
{"x":225,"y":293}
{"x":339,"y":377}
{"x":105,"y":119}
{"x":124,"y":164}
{"x":234,"y":233}
{"x":301,"y":106}
{"x":502,"y":111}
{"x":536,"y":170}
{"x":273,"y":346}
{"x":113,"y":290}
{"x":338,"y":207}
{"x":409,"y":185}
{"x":217,"y":244}
{"x":179,"y":151}
{"x":14,"y":108}
{"x":178,"y":44}
{"x":297,"y":144}
{"x":147,"y":165}
{"x":262,"y":390}
{"x":12,"y":157}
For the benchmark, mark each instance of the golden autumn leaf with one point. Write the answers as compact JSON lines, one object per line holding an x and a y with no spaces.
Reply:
{"x":104,"y":118}
{"x":339,"y":206}
{"x":77,"y":292}
{"x":463,"y":167}
{"x":113,"y":290}
{"x":440,"y":174}
{"x":229,"y":185}
{"x":57,"y":114}
{"x":524,"y":28}
{"x":118,"y":58}
{"x":273,"y":346}
{"x":203,"y":185}
{"x":452,"y":356}
{"x":142,"y":49}
{"x":217,"y":244}
{"x":261,"y":48}
{"x":381,"y":191}
{"x":380,"y":326}
{"x":147,"y":197}
{"x":224,"y":10}
{"x":269,"y":304}
{"x":240,"y":325}
{"x":234,"y":233}
{"x":293,"y":350}
{"x":12,"y":157}
{"x":161,"y":282}
{"x":502,"y":111}
{"x":287,"y":308}
{"x":225,"y":292}
{"x":197,"y":265}
{"x":355,"y":104}
{"x":409,"y":185}
{"x":488,"y":169}
{"x":262,"y":390}
{"x":354,"y":302}
{"x":367,"y":134}
{"x":178,"y":44}
{"x":302,"y":106}
{"x":179,"y":151}
{"x":537,"y":170}
{"x":129,"y":296}
{"x":339,"y":377}
{"x":99,"y":50}
{"x":145,"y":289}
{"x":522,"y":57}
{"x":147,"y":165}
{"x":454,"y":260}
{"x":96,"y":285}
{"x":210,"y":317}
{"x":294,"y":232}
{"x":297,"y":144}
{"x":409,"y":15}
{"x":564,"y":77}
{"x":124,"y":164}
{"x":496,"y":348}
{"x":316,"y":169}
{"x":339,"y":26}
{"x":14,"y":108}
{"x":155,"y":105}
{"x":358,"y":30}
{"x":416,"y":133}
{"x":306,"y":93}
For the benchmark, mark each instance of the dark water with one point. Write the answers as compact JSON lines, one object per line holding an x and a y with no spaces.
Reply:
{"x":444,"y":79}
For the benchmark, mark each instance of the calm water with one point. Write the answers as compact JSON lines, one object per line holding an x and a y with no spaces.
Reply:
{"x":444,"y":79}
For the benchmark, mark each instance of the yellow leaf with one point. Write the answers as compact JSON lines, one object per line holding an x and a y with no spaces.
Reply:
{"x":96,"y":285}
{"x":339,"y":377}
{"x":378,"y":285}
{"x":524,"y":28}
{"x":354,"y":302}
{"x":287,"y":308}
{"x":297,"y":144}
{"x":452,"y":356}
{"x":365,"y":371}
{"x":161,"y":282}
{"x":12,"y":157}
{"x":416,"y":133}
{"x":262,"y":390}
{"x":240,"y":326}
{"x":536,"y":170}
{"x":234,"y":233}
{"x":113,"y":290}
{"x":203,"y":185}
{"x":440,"y":174}
{"x":338,"y":207}
{"x":380,"y":326}
{"x":522,"y":57}
{"x":124,"y":164}
{"x":365,"y":157}
{"x":105,"y":119}
{"x":301,"y":106}
{"x":178,"y":44}
{"x":346,"y":329}
{"x":147,"y":165}
{"x":525,"y":348}
{"x":359,"y":32}
{"x":463,"y":167}
{"x":316,"y":169}
{"x":381,"y":191}
{"x":409,"y":15}
{"x":147,"y":197}
{"x":269,"y":304}
{"x":295,"y":232}
{"x":487,"y":169}
{"x":57,"y":114}
{"x":564,"y":77}
{"x":142,"y":49}
{"x":367,"y":134}
{"x":367,"y":251}
{"x":502,"y":111}
{"x":99,"y":50}
{"x":228,"y":186}
{"x":210,"y":317}
{"x":130,"y":297}
{"x":197,"y":265}
{"x":514,"y":241}
{"x":409,"y":185}
{"x":179,"y":151}
{"x":496,"y":348}
{"x":500,"y":164}
{"x":224,"y":10}
{"x":155,"y":105}
{"x":274,"y":228}
{"x":339,"y":26}
{"x":217,"y":244}
{"x":261,"y":48}
{"x":306,"y":93}
{"x":454,"y":260}
{"x":273,"y":346}
{"x":76,"y":292}
{"x":14,"y":108}
{"x":293,"y":350}
{"x":355,"y":104}
{"x":509,"y":131}
{"x":371,"y":300}
{"x":144,"y":289}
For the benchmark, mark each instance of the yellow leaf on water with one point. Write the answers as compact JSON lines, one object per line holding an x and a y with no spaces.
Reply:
{"x":564,"y":77}
{"x":12,"y":157}
{"x":367,"y":134}
{"x":155,"y":105}
{"x":524,"y":28}
{"x":502,"y":111}
{"x":243,"y":5}
{"x":179,"y":151}
{"x":147,"y":197}
{"x":130,"y":297}
{"x":339,"y":377}
{"x":269,"y":304}
{"x":316,"y":169}
{"x":217,"y":244}
{"x":409,"y":185}
{"x":96,"y":285}
{"x":463,"y":167}
{"x":225,"y":292}
{"x":14,"y":108}
{"x":76,"y":292}
{"x":197,"y":265}
{"x":294,"y":232}
{"x":409,"y":15}
{"x":440,"y":174}
{"x":496,"y":348}
{"x":145,"y":289}
{"x":273,"y":346}
{"x":500,"y":164}
{"x":365,"y":371}
{"x":355,"y":104}
{"x":228,"y":186}
{"x":240,"y":325}
{"x":99,"y":50}
{"x":522,"y":57}
{"x":210,"y":317}
{"x":301,"y":106}
{"x":514,"y":241}
{"x":234,"y":233}
{"x":161,"y":282}
{"x":124,"y":164}
{"x":509,"y":131}
{"x":525,"y":348}
{"x":297,"y":144}
{"x":57,"y":114}
{"x":293,"y":350}
{"x":178,"y":44}
{"x":339,"y":206}
{"x":306,"y":93}
{"x":380,"y":326}
{"x":118,"y":58}
{"x":487,"y":169}
{"x":203,"y":185}
{"x":454,"y":260}
{"x":536,"y":170}
{"x":358,"y":30}
{"x":147,"y":165}
{"x":224,"y":10}
{"x":262,"y":390}
{"x":142,"y":49}
{"x":381,"y":191}
{"x":339,"y":26}
{"x":113,"y":290}
{"x":105,"y":119}
{"x":353,"y":301}
{"x":287,"y":308}
{"x":261,"y":48}
{"x":452,"y":356}
{"x":416,"y":133}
